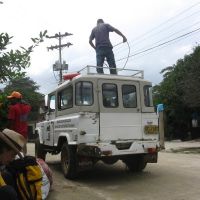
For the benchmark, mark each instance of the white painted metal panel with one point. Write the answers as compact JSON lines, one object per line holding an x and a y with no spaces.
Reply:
{"x":88,"y":123}
{"x":120,"y":126}
{"x":120,"y":123}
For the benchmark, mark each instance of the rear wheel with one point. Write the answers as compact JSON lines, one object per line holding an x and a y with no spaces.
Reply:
{"x":69,"y":161}
{"x":110,"y":160}
{"x":135,"y":163}
{"x":39,"y":149}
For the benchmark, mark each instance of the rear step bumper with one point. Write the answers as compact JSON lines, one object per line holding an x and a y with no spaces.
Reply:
{"x":118,"y":148}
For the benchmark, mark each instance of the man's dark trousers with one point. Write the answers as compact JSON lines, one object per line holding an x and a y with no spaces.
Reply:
{"x":101,"y":54}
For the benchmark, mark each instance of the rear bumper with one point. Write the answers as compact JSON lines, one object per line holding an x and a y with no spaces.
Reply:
{"x":118,"y":149}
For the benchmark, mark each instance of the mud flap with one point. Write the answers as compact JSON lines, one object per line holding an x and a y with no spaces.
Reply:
{"x":151,"y":158}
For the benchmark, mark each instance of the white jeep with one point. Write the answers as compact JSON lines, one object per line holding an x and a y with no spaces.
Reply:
{"x":92,"y":117}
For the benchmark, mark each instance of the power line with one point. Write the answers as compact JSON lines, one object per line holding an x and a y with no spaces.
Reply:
{"x":166,"y":28}
{"x":157,"y":27}
{"x":139,"y":38}
{"x":162,"y":44}
{"x":55,"y":76}
{"x":181,"y":36}
{"x":165,"y":22}
{"x":170,"y":35}
{"x":59,"y":66}
{"x":161,"y":47}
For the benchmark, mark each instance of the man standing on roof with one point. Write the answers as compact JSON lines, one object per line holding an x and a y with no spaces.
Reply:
{"x":103,"y":45}
{"x":18,"y":115}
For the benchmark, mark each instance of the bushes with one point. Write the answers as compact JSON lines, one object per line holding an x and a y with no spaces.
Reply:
{"x":3,"y":110}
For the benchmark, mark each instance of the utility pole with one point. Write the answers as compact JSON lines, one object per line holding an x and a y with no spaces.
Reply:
{"x":59,"y":66}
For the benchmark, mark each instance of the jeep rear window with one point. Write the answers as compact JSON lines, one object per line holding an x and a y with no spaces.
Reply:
{"x":110,"y":96}
{"x":84,"y":93}
{"x":129,"y":96}
{"x":148,"y":100}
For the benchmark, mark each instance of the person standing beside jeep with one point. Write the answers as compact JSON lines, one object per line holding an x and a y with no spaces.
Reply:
{"x":103,"y":45}
{"x":18,"y":115}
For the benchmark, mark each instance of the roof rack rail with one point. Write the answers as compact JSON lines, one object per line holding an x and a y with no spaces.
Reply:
{"x":90,"y":69}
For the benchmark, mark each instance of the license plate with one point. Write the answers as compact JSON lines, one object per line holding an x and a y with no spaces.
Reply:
{"x":151,"y":129}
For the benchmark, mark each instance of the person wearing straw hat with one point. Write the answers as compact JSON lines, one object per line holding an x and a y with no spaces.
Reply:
{"x":11,"y":143}
{"x":18,"y":114}
{"x":103,"y":46}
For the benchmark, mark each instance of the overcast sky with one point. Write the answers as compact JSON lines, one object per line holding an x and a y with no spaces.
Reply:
{"x":146,"y":24}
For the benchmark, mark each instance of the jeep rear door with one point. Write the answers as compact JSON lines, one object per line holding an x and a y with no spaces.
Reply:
{"x":120,"y":110}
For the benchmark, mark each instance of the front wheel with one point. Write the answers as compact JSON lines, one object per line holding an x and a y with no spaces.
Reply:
{"x":69,"y":161}
{"x":39,"y":150}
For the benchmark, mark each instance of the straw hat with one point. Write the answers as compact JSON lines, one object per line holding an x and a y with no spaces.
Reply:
{"x":15,"y":140}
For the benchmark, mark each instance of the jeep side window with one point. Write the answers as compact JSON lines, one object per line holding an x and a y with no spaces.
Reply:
{"x":110,"y":96}
{"x":52,"y":103}
{"x":148,"y":100}
{"x":129,"y":96}
{"x":84,"y":93}
{"x":65,"y":98}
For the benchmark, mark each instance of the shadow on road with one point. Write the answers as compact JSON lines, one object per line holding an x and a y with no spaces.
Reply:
{"x":117,"y":173}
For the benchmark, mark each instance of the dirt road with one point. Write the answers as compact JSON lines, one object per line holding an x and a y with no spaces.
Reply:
{"x":175,"y":177}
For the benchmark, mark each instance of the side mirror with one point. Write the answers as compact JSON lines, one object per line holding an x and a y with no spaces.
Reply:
{"x":45,"y":108}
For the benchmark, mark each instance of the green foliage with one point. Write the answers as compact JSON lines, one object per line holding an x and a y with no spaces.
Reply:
{"x":180,"y":90}
{"x":3,"y":110}
{"x":13,"y":62}
{"x":28,"y":88}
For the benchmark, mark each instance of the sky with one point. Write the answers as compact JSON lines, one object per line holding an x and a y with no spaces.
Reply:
{"x":159,"y":32}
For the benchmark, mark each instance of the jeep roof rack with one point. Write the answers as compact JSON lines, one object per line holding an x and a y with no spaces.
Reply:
{"x":89,"y":69}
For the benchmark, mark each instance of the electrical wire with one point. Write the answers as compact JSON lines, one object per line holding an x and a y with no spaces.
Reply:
{"x":181,"y":36}
{"x":154,"y":35}
{"x":170,"y":36}
{"x":129,"y":50}
{"x":152,"y":30}
{"x":127,"y":56}
{"x":117,"y":44}
{"x":140,"y":56}
{"x":167,"y":28}
{"x":55,"y":76}
{"x":165,"y":22}
{"x":139,"y":38}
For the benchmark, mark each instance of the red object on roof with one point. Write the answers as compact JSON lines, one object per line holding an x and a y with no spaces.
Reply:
{"x":70,"y":76}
